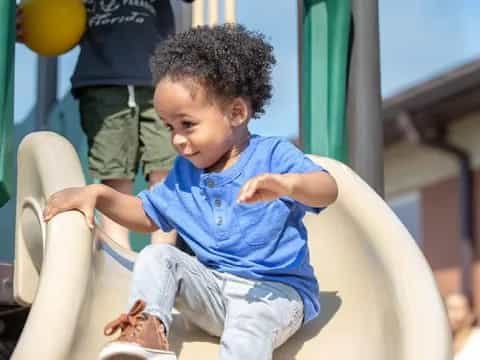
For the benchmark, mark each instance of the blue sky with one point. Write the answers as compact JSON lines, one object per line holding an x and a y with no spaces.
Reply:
{"x":419,"y":38}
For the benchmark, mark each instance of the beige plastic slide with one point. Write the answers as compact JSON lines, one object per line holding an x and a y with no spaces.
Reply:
{"x":379,"y":300}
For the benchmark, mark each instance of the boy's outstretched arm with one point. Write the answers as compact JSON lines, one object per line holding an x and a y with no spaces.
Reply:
{"x":315,"y":189}
{"x":126,"y":210}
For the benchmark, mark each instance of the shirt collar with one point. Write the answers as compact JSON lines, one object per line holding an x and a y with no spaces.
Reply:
{"x":234,"y":171}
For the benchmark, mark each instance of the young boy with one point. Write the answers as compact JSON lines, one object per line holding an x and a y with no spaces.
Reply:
{"x":237,"y":199}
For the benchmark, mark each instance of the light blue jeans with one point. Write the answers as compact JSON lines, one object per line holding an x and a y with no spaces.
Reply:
{"x":251,"y":318}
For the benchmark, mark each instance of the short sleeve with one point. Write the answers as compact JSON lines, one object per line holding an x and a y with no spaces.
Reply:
{"x":155,"y":207}
{"x":287,"y":158}
{"x":155,"y":200}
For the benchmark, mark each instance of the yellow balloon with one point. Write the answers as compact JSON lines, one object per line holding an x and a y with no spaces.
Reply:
{"x":52,"y":27}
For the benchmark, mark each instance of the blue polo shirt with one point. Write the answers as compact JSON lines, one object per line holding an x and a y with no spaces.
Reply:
{"x":264,"y":240}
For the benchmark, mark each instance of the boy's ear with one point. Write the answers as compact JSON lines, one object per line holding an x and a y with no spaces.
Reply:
{"x":238,"y":111}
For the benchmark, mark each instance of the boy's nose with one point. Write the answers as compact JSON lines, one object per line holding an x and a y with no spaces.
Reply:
{"x":179,"y":140}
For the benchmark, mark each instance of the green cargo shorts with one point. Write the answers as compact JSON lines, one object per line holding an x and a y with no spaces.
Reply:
{"x":123,"y":132}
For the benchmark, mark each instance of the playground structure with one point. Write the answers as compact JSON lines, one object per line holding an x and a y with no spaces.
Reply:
{"x":379,"y":300}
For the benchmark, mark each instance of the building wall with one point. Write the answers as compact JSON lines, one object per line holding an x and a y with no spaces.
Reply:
{"x":434,"y":175}
{"x":441,"y":226}
{"x":412,"y":166}
{"x":442,"y":243}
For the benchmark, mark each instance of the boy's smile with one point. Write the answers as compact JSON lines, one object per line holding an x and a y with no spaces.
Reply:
{"x":211,"y":136}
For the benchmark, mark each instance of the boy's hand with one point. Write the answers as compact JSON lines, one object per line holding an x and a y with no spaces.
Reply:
{"x":82,"y":199}
{"x":265,"y":187}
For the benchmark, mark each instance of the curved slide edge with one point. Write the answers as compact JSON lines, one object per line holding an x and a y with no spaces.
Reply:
{"x":386,"y":303}
{"x":42,"y":281}
{"x":422,"y":331}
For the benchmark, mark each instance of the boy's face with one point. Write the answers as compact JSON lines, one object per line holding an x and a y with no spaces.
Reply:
{"x":200,"y":129}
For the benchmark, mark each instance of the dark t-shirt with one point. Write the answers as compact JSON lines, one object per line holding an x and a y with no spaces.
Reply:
{"x":119,"y":41}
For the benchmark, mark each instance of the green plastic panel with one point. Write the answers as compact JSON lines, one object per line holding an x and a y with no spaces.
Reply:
{"x":7,"y":48}
{"x":326,"y":38}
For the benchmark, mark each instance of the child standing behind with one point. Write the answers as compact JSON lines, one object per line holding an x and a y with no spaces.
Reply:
{"x":237,"y":199}
{"x":465,"y":332}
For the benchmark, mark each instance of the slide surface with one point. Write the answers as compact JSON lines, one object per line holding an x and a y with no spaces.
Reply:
{"x":378,"y":296}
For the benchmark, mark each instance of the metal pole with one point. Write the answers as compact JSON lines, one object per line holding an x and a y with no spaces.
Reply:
{"x":198,"y":10}
{"x":213,"y":12}
{"x":300,"y":70}
{"x":364,"y":103}
{"x":230,"y":11}
{"x":46,"y":90}
{"x":183,"y":15}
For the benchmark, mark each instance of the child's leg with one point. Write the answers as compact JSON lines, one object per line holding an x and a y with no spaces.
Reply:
{"x":111,"y":126}
{"x":163,"y":274}
{"x":260,"y":317}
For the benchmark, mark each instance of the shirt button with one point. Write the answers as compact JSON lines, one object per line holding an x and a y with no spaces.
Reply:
{"x":210,"y":183}
{"x":219,"y":221}
{"x":217,"y":202}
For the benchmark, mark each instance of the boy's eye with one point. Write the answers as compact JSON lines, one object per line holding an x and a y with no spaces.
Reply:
{"x":187,"y":124}
{"x":169,"y":127}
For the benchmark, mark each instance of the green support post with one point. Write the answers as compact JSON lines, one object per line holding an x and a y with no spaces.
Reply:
{"x":7,"y":49}
{"x":326,"y":39}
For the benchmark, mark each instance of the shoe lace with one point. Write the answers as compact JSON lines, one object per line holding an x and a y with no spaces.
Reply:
{"x":132,"y":318}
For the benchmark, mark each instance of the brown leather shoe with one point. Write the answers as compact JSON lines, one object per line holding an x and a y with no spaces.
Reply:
{"x":142,"y":337}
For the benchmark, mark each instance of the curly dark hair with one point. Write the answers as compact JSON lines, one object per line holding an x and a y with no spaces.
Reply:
{"x":227,"y":60}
